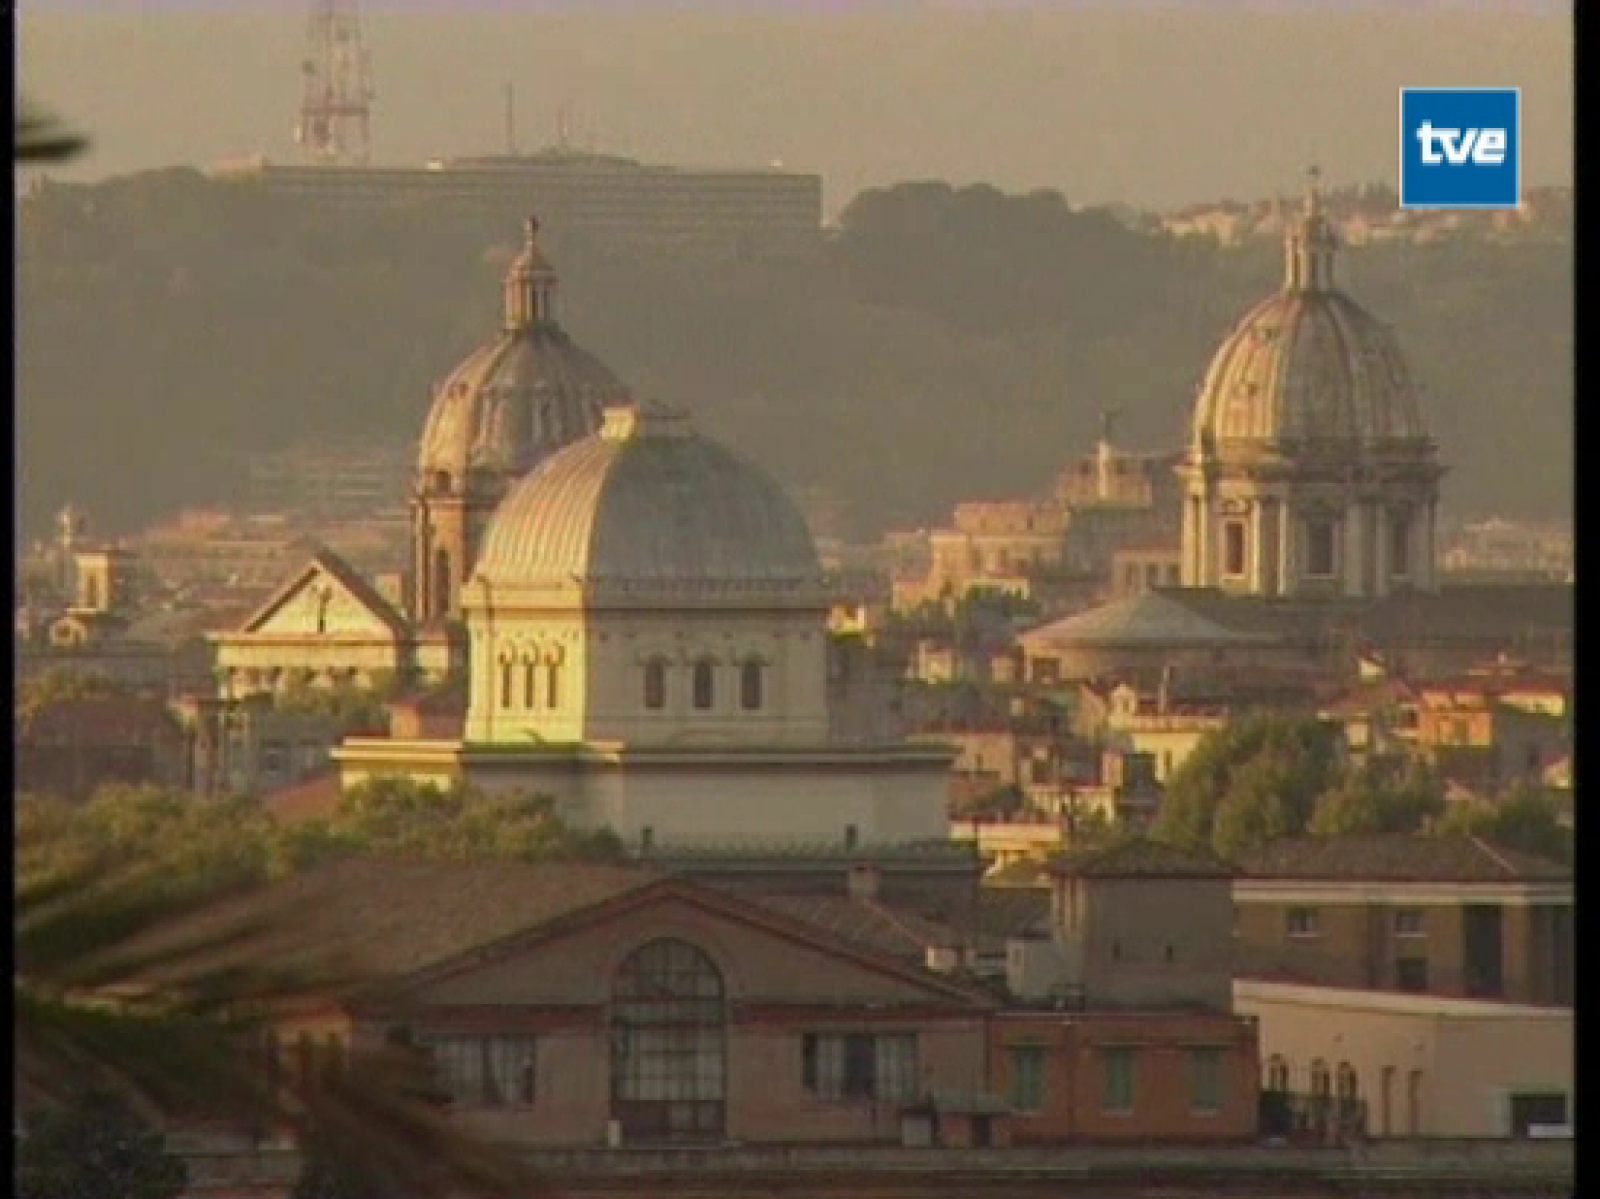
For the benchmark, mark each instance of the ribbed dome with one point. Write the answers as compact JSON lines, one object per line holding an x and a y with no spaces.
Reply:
{"x":1308,"y":364}
{"x":649,"y":501}
{"x":520,"y":397}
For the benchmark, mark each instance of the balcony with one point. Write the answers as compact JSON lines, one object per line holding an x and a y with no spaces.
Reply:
{"x":1313,"y":1119}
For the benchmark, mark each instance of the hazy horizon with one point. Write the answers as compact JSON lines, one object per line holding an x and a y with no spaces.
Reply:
{"x":1155,"y":106}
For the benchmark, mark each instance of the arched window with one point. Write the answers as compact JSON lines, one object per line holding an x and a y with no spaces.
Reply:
{"x":441,"y":582}
{"x":750,"y":685}
{"x":505,"y":684}
{"x":1400,"y":544}
{"x":655,"y":684}
{"x":703,"y":684}
{"x":668,"y":1044}
{"x":1277,"y":1075}
{"x":1320,"y":1080}
{"x":529,"y":668}
{"x":1320,"y":549}
{"x":552,"y":685}
{"x":1348,"y":1087}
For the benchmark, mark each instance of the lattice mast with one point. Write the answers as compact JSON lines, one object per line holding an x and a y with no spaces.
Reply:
{"x":336,"y":107}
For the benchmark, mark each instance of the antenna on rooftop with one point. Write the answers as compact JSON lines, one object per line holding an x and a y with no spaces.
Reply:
{"x":336,"y":105}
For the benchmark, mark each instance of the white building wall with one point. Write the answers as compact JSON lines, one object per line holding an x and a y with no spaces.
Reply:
{"x":1463,"y":1058}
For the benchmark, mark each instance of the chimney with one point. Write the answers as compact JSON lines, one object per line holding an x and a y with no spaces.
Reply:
{"x":864,"y":880}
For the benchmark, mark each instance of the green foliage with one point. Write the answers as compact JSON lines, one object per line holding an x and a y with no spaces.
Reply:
{"x":403,"y":817}
{"x":1253,"y":781}
{"x":95,"y":1145}
{"x":353,"y":711}
{"x":198,"y":845}
{"x":1526,"y":819}
{"x":1372,"y":800}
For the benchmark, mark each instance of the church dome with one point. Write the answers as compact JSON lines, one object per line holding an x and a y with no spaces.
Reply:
{"x":518,"y":398}
{"x":1309,"y":365}
{"x":646,"y":503}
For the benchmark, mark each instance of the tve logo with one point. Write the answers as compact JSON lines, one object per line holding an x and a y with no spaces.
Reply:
{"x":1460,"y":147}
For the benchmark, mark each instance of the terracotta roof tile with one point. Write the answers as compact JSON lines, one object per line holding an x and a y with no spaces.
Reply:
{"x":1399,"y":857}
{"x":1140,"y":857}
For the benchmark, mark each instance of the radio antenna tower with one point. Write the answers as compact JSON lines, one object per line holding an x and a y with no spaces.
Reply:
{"x":336,"y":107}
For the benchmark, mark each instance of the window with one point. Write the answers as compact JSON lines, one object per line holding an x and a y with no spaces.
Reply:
{"x":1278,"y":1075}
{"x":1302,"y":922}
{"x":1205,"y":1081}
{"x":750,"y":686}
{"x":1320,"y":549}
{"x":1233,"y":548}
{"x":702,"y":688}
{"x":655,"y":684}
{"x":1349,"y":1088}
{"x":1116,"y":1093}
{"x":860,"y":1066}
{"x":505,"y":684}
{"x":528,"y":669}
{"x":1408,"y":923}
{"x":1400,"y":545}
{"x":1320,"y":1079}
{"x":552,"y":685}
{"x":480,"y":1071}
{"x":441,"y":583}
{"x":1152,"y":574}
{"x":1411,"y":974}
{"x":1027,"y":1078}
{"x":668,"y":1043}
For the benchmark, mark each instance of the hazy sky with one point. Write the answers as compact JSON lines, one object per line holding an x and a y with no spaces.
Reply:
{"x":1153,"y":104}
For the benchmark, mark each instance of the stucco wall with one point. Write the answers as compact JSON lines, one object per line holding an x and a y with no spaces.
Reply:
{"x":1460,"y":1058}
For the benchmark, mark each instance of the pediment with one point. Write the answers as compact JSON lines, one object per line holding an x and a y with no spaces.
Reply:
{"x":764,"y":959}
{"x":317,"y":601}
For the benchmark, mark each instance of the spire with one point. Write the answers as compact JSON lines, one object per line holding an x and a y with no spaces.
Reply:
{"x":530,"y":287}
{"x":1309,"y":242}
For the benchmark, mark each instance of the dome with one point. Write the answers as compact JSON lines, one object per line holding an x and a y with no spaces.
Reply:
{"x":647,"y":500}
{"x":1309,"y":364}
{"x":527,"y":393}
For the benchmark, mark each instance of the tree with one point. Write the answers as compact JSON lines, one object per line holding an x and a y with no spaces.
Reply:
{"x":1371,"y":801}
{"x":1252,"y":781}
{"x":1526,"y":819}
{"x":95,"y":1144}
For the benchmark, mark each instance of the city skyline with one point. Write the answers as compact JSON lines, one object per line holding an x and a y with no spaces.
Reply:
{"x":1073,"y":98}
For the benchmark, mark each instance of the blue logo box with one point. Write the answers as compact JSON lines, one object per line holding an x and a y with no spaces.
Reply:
{"x":1460,"y":147}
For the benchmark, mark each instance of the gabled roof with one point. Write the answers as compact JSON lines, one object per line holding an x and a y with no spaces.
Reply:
{"x":1399,"y":857}
{"x":397,"y":923}
{"x":1150,"y":618}
{"x":1140,"y":857}
{"x":325,"y":561}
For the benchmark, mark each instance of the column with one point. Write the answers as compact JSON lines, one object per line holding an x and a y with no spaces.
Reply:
{"x":1381,"y":531}
{"x":1258,"y":534}
{"x":1350,"y":557}
{"x":1285,"y":546}
{"x":1429,"y":566}
{"x":1186,"y":544}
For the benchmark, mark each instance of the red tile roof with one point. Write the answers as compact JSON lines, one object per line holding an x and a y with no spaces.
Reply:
{"x":1399,"y":857}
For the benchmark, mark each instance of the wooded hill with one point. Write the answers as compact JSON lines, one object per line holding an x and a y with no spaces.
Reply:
{"x":946,"y":344}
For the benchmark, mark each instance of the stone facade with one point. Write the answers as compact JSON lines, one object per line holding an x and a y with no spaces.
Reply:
{"x":1309,"y":470}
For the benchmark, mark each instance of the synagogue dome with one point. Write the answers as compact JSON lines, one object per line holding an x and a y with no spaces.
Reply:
{"x":646,"y":502}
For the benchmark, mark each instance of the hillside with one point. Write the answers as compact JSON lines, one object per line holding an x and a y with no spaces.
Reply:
{"x":947,"y":344}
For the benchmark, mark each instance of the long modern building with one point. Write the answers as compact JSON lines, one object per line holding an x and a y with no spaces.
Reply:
{"x":610,"y":203}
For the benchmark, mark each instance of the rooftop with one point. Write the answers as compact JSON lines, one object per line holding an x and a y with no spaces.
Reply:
{"x":1398,"y":857}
